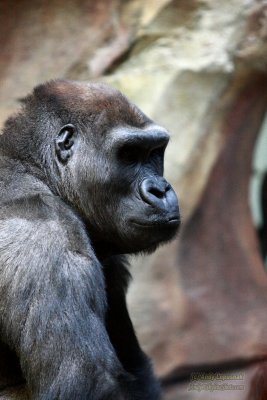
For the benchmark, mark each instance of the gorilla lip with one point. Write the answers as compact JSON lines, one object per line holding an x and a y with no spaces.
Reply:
{"x":171,"y":221}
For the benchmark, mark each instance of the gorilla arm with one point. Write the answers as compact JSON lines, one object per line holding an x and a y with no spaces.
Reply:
{"x":122,"y":335}
{"x":53,"y":304}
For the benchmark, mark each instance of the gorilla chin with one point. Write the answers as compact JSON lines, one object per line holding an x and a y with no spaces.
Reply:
{"x":147,"y":237}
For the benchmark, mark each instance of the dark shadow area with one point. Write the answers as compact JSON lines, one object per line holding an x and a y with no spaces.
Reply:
{"x":262,"y":231}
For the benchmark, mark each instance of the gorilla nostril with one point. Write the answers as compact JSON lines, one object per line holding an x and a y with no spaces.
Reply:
{"x":157,"y":192}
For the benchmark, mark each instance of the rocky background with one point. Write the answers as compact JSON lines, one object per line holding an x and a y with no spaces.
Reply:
{"x":198,"y":67}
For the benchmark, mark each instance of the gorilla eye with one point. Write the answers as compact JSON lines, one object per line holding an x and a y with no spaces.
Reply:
{"x":157,"y":153}
{"x":130,"y":154}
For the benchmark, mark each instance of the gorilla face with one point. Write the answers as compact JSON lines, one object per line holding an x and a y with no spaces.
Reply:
{"x":113,"y":168}
{"x":148,"y":212}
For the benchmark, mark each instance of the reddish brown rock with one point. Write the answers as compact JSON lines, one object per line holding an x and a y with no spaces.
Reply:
{"x":218,"y":254}
{"x":258,"y":387}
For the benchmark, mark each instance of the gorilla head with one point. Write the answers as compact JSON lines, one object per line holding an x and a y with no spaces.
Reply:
{"x":104,"y":157}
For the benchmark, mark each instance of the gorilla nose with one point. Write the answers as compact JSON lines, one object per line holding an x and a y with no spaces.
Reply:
{"x":159,"y":193}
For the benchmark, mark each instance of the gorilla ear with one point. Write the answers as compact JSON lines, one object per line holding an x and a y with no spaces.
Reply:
{"x":64,"y":142}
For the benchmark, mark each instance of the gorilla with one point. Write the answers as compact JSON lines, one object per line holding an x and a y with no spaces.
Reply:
{"x":81,"y":187}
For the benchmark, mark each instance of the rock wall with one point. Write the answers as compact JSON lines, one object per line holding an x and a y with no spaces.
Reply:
{"x":197,"y":67}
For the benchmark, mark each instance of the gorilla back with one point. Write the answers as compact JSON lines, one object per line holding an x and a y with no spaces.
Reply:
{"x":81,"y":185}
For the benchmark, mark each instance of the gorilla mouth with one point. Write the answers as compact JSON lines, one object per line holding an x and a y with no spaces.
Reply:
{"x":172,"y":222}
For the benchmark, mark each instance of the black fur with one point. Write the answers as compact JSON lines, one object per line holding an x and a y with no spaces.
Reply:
{"x":80,"y":184}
